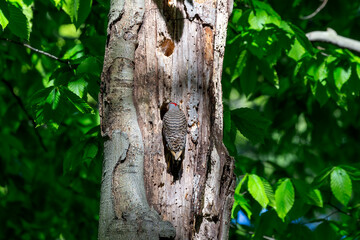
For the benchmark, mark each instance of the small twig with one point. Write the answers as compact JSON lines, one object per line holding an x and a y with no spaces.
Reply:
{"x":321,"y":219}
{"x":38,"y":51}
{"x":316,"y":11}
{"x":331,"y":36}
{"x":10,"y":87}
{"x":339,"y":210}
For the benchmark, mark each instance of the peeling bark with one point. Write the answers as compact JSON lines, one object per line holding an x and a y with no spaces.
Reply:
{"x":159,"y":51}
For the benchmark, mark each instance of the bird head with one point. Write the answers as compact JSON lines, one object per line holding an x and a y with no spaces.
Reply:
{"x":173,"y":105}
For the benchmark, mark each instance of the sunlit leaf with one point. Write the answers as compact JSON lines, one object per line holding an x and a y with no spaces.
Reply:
{"x":269,"y":192}
{"x":285,"y":198}
{"x":79,"y":103}
{"x":341,"y":185}
{"x":53,"y":98}
{"x":297,"y":51}
{"x":3,"y":20}
{"x":78,"y":87}
{"x":243,"y":203}
{"x":71,"y":7}
{"x":257,"y":190}
{"x":341,"y":75}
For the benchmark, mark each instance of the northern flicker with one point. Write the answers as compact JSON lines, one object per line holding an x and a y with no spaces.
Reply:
{"x":174,"y":130}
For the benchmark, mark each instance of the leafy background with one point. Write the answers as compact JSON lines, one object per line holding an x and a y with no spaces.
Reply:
{"x":291,"y":119}
{"x":50,"y":175}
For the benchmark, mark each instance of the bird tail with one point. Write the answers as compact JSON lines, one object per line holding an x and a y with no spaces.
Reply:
{"x":176,"y":155}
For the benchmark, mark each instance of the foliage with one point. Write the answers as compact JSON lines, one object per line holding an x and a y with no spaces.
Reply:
{"x":51,"y":151}
{"x":291,"y":121}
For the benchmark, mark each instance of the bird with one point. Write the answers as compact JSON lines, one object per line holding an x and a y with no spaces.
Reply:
{"x":174,"y":130}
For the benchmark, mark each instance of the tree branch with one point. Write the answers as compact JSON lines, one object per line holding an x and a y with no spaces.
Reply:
{"x":331,"y":36}
{"x":339,"y":210}
{"x":10,"y":87}
{"x":316,"y":11}
{"x":38,"y":51}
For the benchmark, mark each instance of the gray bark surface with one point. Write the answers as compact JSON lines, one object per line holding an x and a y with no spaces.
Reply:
{"x":159,"y":51}
{"x":179,"y":58}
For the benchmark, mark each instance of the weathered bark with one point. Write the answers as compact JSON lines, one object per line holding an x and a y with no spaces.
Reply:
{"x":186,"y":68}
{"x":124,"y":211}
{"x":179,"y":49}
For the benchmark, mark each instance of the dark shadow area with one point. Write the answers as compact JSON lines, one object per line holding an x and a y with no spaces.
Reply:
{"x":173,"y":18}
{"x":173,"y":167}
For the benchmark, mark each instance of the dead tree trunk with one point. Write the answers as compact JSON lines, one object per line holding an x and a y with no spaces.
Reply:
{"x":159,"y":51}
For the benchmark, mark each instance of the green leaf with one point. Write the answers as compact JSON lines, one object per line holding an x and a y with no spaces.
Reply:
{"x":238,"y":187}
{"x":320,"y":93}
{"x":301,"y":37}
{"x":71,"y":8}
{"x":265,"y":6}
{"x":3,"y":20}
{"x":75,"y":53}
{"x":73,"y":158}
{"x":89,"y":65}
{"x":58,"y":3}
{"x":257,"y":190}
{"x":18,"y":23}
{"x":62,"y":76}
{"x":326,"y":231}
{"x":236,"y":15}
{"x":284,"y":197}
{"x":79,"y":103}
{"x":93,"y":85}
{"x":83,"y":13}
{"x":90,"y":152}
{"x":235,"y":209}
{"x":250,"y":123}
{"x":269,"y":192}
{"x":297,"y":51}
{"x":341,"y":185}
{"x":358,"y":70}
{"x":269,"y":73}
{"x":353,"y":172}
{"x":78,"y":87}
{"x":40,"y":96}
{"x":243,"y":203}
{"x":321,"y":178}
{"x":341,"y":76}
{"x":263,"y":15}
{"x":53,"y":98}
{"x":227,"y":121}
{"x":305,"y":191}
{"x":69,"y":31}
{"x":258,"y":20}
{"x":248,"y":77}
{"x":240,"y":64}
{"x":316,"y":197}
{"x":321,"y":72}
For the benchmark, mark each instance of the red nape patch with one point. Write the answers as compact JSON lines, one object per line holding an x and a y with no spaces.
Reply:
{"x":174,"y":104}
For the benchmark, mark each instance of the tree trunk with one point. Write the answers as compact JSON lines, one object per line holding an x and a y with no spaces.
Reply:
{"x":159,"y":51}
